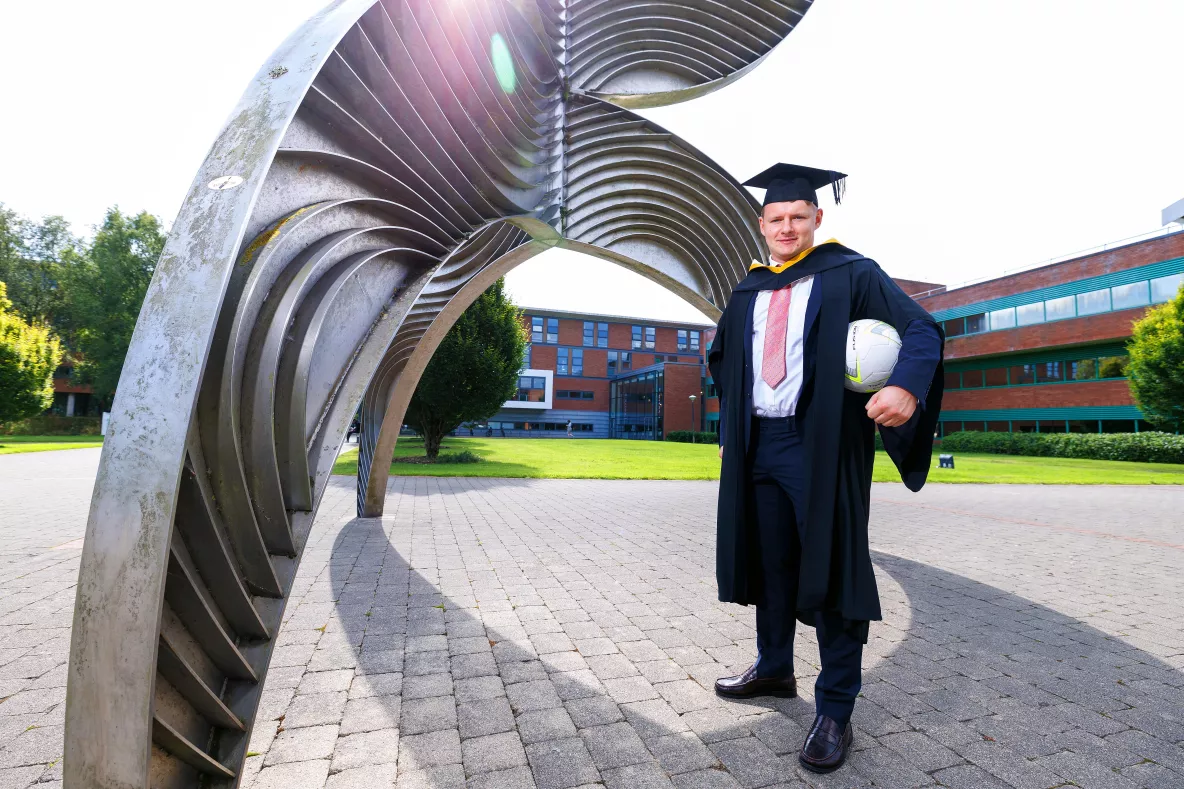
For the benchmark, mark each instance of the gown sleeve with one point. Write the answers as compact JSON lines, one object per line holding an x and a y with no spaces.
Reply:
{"x":918,"y":370}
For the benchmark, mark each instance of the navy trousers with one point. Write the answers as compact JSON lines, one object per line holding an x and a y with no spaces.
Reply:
{"x":777,"y":465}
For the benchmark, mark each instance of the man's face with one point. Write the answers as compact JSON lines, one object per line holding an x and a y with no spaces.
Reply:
{"x":789,"y":228}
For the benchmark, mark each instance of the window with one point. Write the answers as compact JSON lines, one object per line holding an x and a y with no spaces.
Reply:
{"x":953,"y":380}
{"x":1093,"y":302}
{"x":1050,"y":372}
{"x":1118,"y":425}
{"x":995,"y":376}
{"x":552,"y":330}
{"x":1023,"y":374}
{"x":561,"y":362}
{"x":972,"y":379}
{"x":577,"y":361}
{"x":589,"y":333}
{"x":1082,"y":369}
{"x":1113,"y":366}
{"x":575,"y":395}
{"x":531,"y":389}
{"x":637,"y":338}
{"x":976,"y":323}
{"x":626,"y":362}
{"x":651,"y":337}
{"x":695,"y":341}
{"x":1002,"y":319}
{"x":955,"y":327}
{"x":658,"y":359}
{"x":536,"y":329}
{"x":602,"y":335}
{"x":1058,"y":309}
{"x":1126,"y":296}
{"x":1083,"y":426}
{"x":998,"y":427}
{"x":683,"y":343}
{"x":1166,"y":288}
{"x":1027,"y":314}
{"x":612,"y":363}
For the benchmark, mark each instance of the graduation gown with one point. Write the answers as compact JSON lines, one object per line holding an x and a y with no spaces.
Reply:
{"x":836,"y":570}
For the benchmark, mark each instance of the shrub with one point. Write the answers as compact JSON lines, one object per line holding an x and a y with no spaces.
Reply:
{"x":53,"y":425}
{"x":1140,"y":447}
{"x":685,"y":436}
{"x":459,"y":457}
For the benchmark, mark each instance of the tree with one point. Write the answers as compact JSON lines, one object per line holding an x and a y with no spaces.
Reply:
{"x":473,"y":372}
{"x":29,"y":353}
{"x":1156,"y":369}
{"x":104,"y":288}
{"x":31,"y":259}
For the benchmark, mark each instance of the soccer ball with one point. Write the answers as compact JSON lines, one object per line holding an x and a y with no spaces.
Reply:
{"x":872,"y":348}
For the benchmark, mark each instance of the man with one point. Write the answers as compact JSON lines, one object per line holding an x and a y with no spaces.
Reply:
{"x":797,"y":449}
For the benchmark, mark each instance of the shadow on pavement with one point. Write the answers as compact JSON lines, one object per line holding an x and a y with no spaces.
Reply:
{"x":556,"y":686}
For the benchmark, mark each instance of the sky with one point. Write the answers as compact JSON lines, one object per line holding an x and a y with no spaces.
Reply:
{"x":980,"y":136}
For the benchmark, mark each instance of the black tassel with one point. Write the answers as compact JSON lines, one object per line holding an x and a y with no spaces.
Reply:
{"x":840,"y":188}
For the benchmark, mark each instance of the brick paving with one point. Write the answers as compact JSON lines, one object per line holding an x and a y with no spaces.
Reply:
{"x":565,"y":633}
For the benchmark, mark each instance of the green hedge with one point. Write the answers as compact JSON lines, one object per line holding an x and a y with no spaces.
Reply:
{"x":51,"y":425}
{"x":684,"y":437}
{"x":1141,"y":447}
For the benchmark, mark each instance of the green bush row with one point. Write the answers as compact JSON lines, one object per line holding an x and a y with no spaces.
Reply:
{"x":685,"y":436}
{"x":1141,"y":447}
{"x":51,"y":425}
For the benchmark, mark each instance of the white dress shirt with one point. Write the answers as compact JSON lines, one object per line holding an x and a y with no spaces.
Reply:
{"x":782,"y":401}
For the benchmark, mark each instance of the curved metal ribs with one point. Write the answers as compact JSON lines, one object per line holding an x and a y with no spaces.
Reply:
{"x":390,"y":161}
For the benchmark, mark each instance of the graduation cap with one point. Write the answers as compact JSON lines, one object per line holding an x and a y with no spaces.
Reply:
{"x":785,"y":183}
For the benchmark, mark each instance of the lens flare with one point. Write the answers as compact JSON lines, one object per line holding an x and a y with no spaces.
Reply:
{"x":503,"y":63}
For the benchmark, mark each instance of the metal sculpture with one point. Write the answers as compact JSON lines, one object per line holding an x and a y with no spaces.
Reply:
{"x":385,"y":166}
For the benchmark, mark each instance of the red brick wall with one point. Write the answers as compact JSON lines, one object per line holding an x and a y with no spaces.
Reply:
{"x":667,"y":340}
{"x":682,"y":381}
{"x":595,"y":362}
{"x":542,"y":357}
{"x":1142,"y":253}
{"x":1073,"y":331}
{"x":912,"y":287}
{"x":1088,"y":393}
{"x":620,"y":336}
{"x":571,"y":332}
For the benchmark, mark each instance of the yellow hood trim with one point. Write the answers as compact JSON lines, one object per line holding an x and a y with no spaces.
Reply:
{"x":777,"y":269}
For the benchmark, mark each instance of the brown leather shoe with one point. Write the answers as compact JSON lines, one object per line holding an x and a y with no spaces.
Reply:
{"x":749,"y":684}
{"x":826,"y":747}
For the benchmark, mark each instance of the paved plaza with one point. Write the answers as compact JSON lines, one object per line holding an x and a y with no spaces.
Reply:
{"x":497,"y":634}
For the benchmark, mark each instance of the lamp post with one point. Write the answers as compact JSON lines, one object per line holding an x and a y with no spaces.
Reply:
{"x":692,"y":419}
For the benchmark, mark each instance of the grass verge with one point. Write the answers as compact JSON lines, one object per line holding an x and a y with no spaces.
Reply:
{"x":15,"y":445}
{"x":549,"y":458}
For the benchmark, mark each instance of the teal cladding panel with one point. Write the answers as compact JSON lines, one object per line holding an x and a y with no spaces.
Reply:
{"x":1052,"y":414}
{"x":1153,"y":271}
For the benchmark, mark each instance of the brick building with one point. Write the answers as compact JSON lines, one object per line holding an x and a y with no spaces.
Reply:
{"x":612,"y":377}
{"x":1044,"y":349}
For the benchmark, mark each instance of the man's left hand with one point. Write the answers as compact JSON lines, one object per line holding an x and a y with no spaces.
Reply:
{"x":891,"y":406}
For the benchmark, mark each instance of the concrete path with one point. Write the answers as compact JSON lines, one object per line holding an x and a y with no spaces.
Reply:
{"x":564,"y":633}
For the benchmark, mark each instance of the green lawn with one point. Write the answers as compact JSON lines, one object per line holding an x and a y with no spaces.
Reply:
{"x":14,"y":445}
{"x":600,"y":459}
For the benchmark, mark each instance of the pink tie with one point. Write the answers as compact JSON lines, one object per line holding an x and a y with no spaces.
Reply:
{"x":773,"y":362}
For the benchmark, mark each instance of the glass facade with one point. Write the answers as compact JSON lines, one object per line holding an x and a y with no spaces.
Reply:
{"x":635,"y":406}
{"x":1085,"y":368}
{"x":1091,"y":302}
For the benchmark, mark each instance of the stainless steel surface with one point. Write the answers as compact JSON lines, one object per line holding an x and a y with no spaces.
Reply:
{"x":386,"y":165}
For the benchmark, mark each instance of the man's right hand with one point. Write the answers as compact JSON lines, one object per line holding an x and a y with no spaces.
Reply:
{"x":721,"y":453}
